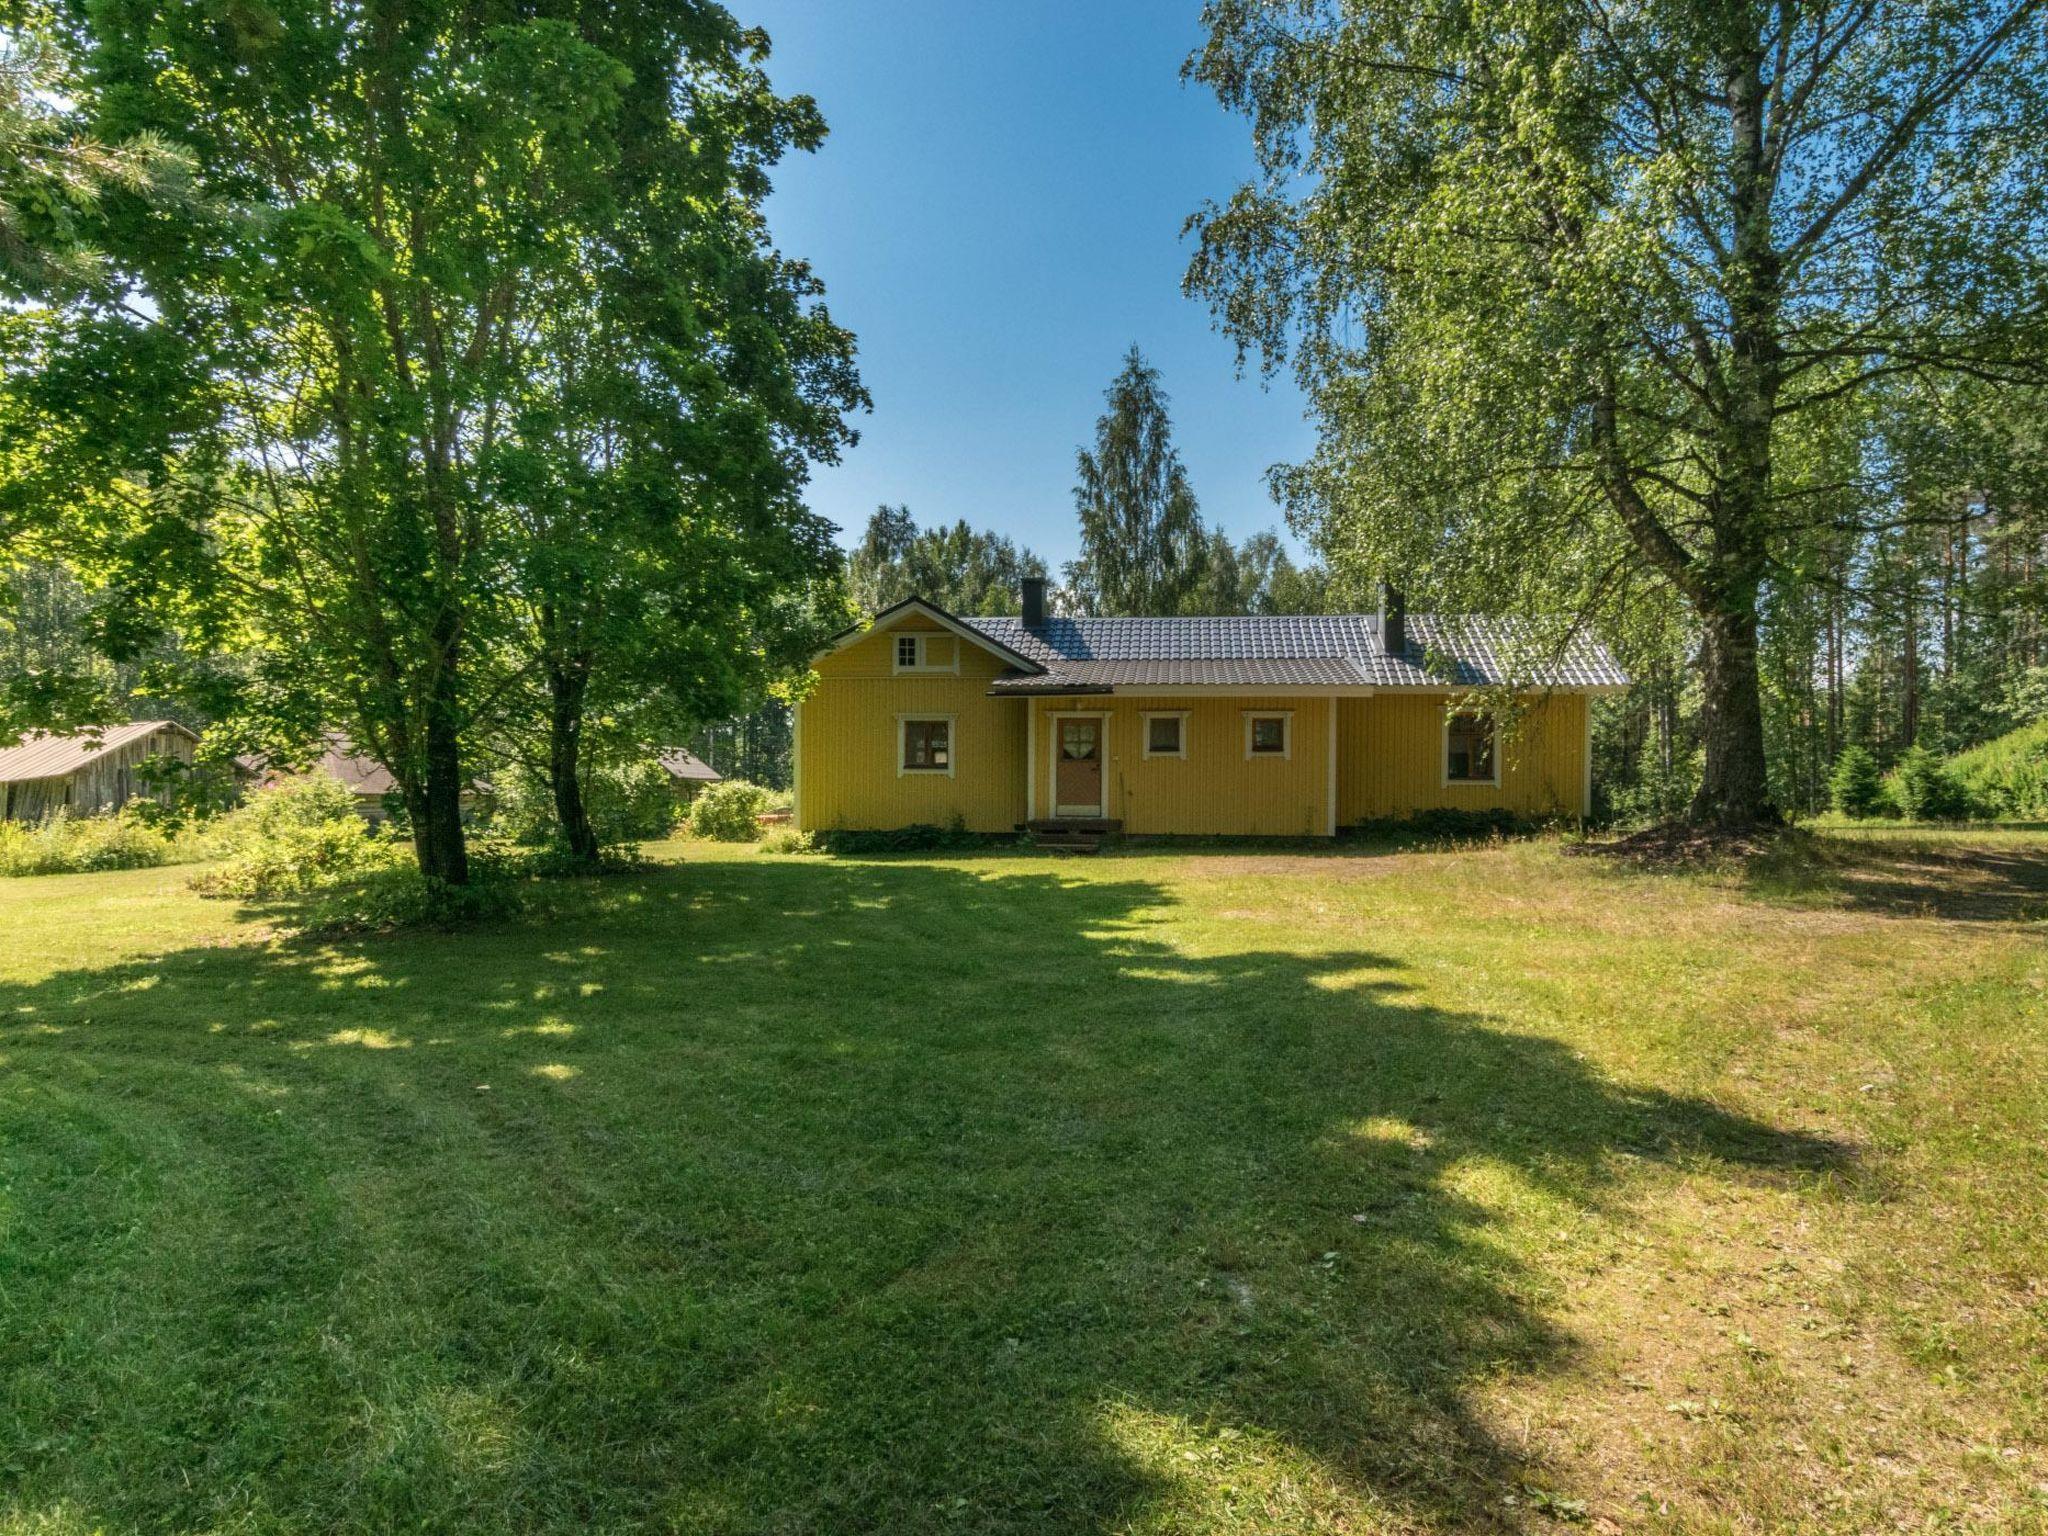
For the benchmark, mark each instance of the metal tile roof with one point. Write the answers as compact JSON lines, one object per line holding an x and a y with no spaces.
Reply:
{"x":56,"y":757}
{"x":1202,"y":672}
{"x":1291,"y":651}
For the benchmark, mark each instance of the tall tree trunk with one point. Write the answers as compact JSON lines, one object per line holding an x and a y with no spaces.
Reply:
{"x":1834,"y":676}
{"x":1735,"y":789}
{"x":1909,"y":677}
{"x":438,"y":837}
{"x":567,"y":686}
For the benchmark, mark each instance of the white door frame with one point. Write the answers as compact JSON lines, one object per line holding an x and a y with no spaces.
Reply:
{"x":1101,"y":809}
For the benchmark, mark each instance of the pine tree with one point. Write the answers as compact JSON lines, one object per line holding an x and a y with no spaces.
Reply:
{"x":1856,"y":787}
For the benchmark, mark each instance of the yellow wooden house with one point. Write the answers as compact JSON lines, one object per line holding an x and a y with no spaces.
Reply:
{"x":1259,"y":726}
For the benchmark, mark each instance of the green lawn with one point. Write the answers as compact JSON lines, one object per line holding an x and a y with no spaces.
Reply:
{"x":1165,"y":1192}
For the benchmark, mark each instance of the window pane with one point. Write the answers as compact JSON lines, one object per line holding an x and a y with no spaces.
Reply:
{"x":927,"y":744}
{"x":906,"y":650}
{"x":1469,"y":748}
{"x":1269,"y":734}
{"x":1165,"y":733}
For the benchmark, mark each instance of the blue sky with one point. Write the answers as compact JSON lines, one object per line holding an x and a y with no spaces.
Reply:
{"x":996,"y":215}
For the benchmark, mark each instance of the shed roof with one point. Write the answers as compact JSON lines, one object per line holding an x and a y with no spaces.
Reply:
{"x":687,"y":767}
{"x":42,"y":756}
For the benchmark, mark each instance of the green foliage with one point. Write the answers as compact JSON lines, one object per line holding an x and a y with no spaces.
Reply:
{"x":1856,"y":787}
{"x":728,"y":812}
{"x":1257,"y":576}
{"x":789,"y":840}
{"x":630,"y":803}
{"x":294,"y":838}
{"x":918,"y":837}
{"x":961,"y":569}
{"x":67,"y":845}
{"x":480,"y":397}
{"x":1926,"y":790}
{"x":1653,"y":792}
{"x":1592,"y":313}
{"x":1142,"y":544}
{"x":52,"y":178}
{"x":2009,"y":776}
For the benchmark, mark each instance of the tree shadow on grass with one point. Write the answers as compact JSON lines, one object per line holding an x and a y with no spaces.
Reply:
{"x":1957,"y":880}
{"x":1989,"y":877}
{"x":787,"y":1196}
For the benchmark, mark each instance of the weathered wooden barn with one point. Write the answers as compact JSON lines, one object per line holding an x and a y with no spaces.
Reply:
{"x":90,"y":771}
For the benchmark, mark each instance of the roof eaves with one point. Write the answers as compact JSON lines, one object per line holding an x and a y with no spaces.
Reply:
{"x":962,"y":627}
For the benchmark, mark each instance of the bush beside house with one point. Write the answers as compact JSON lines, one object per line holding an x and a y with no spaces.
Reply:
{"x":728,"y":812}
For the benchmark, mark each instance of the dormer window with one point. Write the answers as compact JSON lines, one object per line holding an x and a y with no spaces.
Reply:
{"x":927,"y":653}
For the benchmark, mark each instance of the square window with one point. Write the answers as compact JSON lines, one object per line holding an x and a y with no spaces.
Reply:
{"x":1468,"y":750}
{"x":1163,"y":736}
{"x":927,"y":746}
{"x":1269,"y":736}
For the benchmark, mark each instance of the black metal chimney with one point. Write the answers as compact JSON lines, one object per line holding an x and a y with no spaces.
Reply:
{"x":1034,"y":602}
{"x":1393,"y":620}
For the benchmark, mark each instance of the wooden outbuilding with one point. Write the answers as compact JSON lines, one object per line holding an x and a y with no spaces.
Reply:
{"x":89,"y":771}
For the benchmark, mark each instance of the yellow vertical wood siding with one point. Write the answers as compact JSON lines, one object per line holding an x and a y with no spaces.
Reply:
{"x":1390,"y":756}
{"x":1214,"y":791}
{"x":847,"y":758}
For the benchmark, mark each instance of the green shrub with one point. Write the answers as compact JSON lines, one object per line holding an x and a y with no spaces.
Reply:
{"x":728,"y":812}
{"x":67,"y":845}
{"x":1926,"y":790}
{"x":789,"y":840}
{"x":629,"y":803}
{"x":2009,"y":776}
{"x":918,"y":837}
{"x":294,"y":838}
{"x":1856,"y":786}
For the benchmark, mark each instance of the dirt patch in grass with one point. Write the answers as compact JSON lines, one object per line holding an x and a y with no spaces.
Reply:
{"x":1678,"y":845}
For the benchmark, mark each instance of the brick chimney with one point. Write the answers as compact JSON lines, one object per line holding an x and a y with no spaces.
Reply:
{"x":1034,"y":602}
{"x":1393,"y":620}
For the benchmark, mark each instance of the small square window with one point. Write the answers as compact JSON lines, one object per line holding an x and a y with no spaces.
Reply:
{"x":1268,"y":736}
{"x":1468,"y":750}
{"x":927,"y":746}
{"x":1163,"y":736}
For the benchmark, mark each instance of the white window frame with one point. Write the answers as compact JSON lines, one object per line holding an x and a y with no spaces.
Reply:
{"x":1286,"y":719}
{"x":922,"y":642}
{"x":1147,"y":716}
{"x":1443,"y":759}
{"x":903,"y":768}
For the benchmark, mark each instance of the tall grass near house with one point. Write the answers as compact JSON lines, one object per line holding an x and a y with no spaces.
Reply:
{"x":73,"y":845}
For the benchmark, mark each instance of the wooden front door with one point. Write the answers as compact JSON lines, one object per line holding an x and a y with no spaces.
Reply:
{"x":1077,"y":770}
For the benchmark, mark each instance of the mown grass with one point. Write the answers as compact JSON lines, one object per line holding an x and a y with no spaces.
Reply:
{"x":1361,"y":1191}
